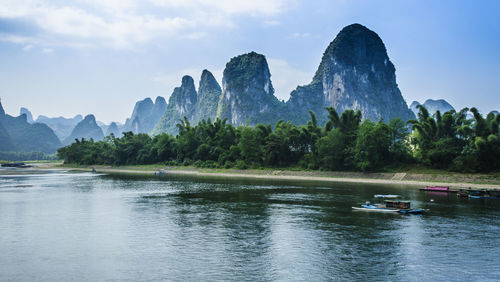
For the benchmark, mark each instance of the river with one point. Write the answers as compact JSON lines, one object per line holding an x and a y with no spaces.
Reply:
{"x":57,"y":225}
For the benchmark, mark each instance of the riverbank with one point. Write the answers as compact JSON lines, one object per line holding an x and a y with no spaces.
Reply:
{"x":419,"y":180}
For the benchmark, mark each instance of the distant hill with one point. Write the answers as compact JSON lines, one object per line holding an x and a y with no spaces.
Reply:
{"x":113,"y":129}
{"x":25,"y":136}
{"x":6,"y":143}
{"x":145,"y":115}
{"x":432,"y":106}
{"x":62,"y":126}
{"x":87,"y":128}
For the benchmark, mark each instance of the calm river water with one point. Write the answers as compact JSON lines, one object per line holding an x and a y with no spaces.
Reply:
{"x":80,"y":226}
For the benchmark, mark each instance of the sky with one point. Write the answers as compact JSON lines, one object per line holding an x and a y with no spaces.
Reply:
{"x":63,"y":58}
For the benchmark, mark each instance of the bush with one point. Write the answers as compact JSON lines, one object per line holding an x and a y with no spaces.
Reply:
{"x":241,"y":164}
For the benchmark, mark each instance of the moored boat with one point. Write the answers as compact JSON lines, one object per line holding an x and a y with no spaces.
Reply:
{"x":480,"y":194}
{"x":374,"y":208}
{"x":18,"y":165}
{"x":444,"y":189}
{"x":390,"y":207}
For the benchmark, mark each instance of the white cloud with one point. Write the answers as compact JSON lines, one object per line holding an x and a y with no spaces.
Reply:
{"x":27,"y":48}
{"x":16,"y":38}
{"x":124,"y":23}
{"x":286,"y":78}
{"x":254,"y":7}
{"x":300,"y":35}
{"x":196,"y":35}
{"x":271,"y":22}
{"x":47,"y":50}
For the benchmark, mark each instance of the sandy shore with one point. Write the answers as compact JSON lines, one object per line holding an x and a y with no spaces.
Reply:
{"x":386,"y":178}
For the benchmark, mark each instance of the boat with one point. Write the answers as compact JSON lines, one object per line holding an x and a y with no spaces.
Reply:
{"x":444,"y":189}
{"x":19,"y":165}
{"x":387,"y":196}
{"x":462,"y":193}
{"x":374,"y":208}
{"x":480,"y":194}
{"x":485,"y":194}
{"x":390,"y":207}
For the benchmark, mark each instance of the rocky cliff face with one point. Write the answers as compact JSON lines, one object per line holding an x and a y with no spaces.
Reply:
{"x":142,"y":110}
{"x":355,"y":73}
{"x":61,"y":126}
{"x":29,"y":116}
{"x":156,"y":114}
{"x":432,"y":106}
{"x":181,"y":103}
{"x":247,"y":91}
{"x":19,"y":135}
{"x":87,"y":128}
{"x":145,"y":115}
{"x":209,"y":92}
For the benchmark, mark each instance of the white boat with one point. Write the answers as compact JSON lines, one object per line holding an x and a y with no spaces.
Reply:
{"x":387,"y":196}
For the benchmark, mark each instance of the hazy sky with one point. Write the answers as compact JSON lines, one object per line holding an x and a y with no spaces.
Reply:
{"x":101,"y":56}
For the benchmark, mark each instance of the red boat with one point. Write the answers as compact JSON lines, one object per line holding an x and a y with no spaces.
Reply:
{"x":438,"y":189}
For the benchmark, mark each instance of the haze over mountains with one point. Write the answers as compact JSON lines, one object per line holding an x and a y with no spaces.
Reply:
{"x":355,"y":73}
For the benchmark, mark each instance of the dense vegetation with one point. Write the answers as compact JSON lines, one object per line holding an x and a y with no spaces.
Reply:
{"x":345,"y":142}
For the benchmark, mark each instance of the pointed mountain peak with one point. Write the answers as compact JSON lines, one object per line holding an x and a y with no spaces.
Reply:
{"x":243,"y":69}
{"x":414,"y":104}
{"x":208,"y":83}
{"x":28,"y":114}
{"x":160,"y":101}
{"x":355,"y":46}
{"x":90,"y":117}
{"x":187,"y":80}
{"x":87,"y":128}
{"x":247,"y":91}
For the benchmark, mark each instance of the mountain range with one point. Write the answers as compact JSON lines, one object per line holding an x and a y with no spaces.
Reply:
{"x":17,"y":134}
{"x":355,"y":72}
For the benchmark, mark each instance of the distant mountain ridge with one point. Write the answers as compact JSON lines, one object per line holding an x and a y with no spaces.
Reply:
{"x":62,"y":126}
{"x":17,"y":134}
{"x":355,"y":72}
{"x":87,"y":128}
{"x":433,"y":106}
{"x":145,"y":115}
